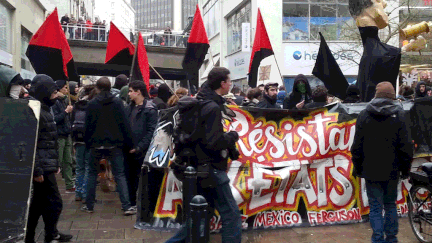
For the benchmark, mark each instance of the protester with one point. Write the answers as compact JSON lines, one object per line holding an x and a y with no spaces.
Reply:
{"x":253,"y":96}
{"x":352,"y":95}
{"x":73,"y":89}
{"x":168,"y":33}
{"x":319,"y":96}
{"x":46,"y":200}
{"x":281,"y":96}
{"x":120,"y":81}
{"x":64,"y":21}
{"x":82,"y":153}
{"x":269,"y":97}
{"x":89,"y":29}
{"x":429,"y":91}
{"x":405,"y":93}
{"x":164,"y":93}
{"x":124,"y":95}
{"x":214,"y":141}
{"x":180,"y":92}
{"x":153,"y":92}
{"x":107,"y":132}
{"x":143,"y":117}
{"x":62,"y":111}
{"x":261,"y":87}
{"x":229,"y":99}
{"x":10,"y":83}
{"x":27,"y":84}
{"x":238,"y":98}
{"x":420,"y":90}
{"x":381,"y":154}
{"x":72,"y":24}
{"x":300,"y":95}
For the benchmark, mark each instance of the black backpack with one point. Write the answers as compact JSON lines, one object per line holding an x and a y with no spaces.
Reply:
{"x":78,"y":126}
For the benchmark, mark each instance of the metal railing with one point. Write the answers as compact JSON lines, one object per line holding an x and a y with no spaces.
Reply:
{"x":101,"y":33}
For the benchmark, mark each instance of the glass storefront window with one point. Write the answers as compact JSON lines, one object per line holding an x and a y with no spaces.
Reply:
{"x":304,"y":19}
{"x":5,"y":29}
{"x":234,"y":26}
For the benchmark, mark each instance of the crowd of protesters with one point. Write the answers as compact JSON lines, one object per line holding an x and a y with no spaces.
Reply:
{"x":84,"y":29}
{"x":74,"y":138}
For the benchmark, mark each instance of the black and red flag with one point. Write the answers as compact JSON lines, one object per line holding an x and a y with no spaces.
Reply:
{"x":120,"y":50}
{"x":140,"y":68}
{"x":49,"y":51}
{"x":261,"y":49}
{"x":328,"y":71}
{"x":197,"y":47}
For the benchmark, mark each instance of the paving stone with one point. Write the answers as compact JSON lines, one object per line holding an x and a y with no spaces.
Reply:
{"x":101,"y":234}
{"x":142,"y":234}
{"x":116,"y":224}
{"x":84,"y":225}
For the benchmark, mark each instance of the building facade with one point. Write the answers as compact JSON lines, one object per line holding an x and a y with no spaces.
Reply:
{"x":16,"y":31}
{"x":157,"y":15}
{"x":120,"y":12}
{"x":77,"y":8}
{"x":293,"y":27}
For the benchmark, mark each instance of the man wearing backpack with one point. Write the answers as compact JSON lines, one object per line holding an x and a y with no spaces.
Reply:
{"x":107,"y":133}
{"x":143,"y":117}
{"x":213,"y":147}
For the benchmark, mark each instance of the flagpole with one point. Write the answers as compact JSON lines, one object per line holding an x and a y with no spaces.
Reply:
{"x":277,"y":65}
{"x":162,"y":79}
{"x":134,"y":58}
{"x":67,"y":84}
{"x":211,"y":56}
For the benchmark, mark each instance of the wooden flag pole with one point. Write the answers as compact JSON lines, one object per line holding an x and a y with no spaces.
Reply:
{"x":277,"y":65}
{"x":162,"y":79}
{"x":68,"y":88}
{"x":134,"y":58}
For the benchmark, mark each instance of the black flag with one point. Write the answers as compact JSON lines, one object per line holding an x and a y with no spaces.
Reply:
{"x":327,"y":69}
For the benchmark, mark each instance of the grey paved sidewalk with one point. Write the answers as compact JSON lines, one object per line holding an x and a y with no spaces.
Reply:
{"x":108,"y":224}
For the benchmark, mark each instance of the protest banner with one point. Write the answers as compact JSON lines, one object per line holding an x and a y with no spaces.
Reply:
{"x":294,"y":169}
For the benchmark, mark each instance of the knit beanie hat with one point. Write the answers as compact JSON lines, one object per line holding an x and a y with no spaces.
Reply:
{"x":385,"y":90}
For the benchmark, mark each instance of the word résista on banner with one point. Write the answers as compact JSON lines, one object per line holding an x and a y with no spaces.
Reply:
{"x":294,"y":169}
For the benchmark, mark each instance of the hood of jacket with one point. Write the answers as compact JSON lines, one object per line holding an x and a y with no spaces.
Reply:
{"x":417,"y":90}
{"x":164,"y":92}
{"x":299,"y":79}
{"x":124,"y":93}
{"x":207,"y":93}
{"x":44,"y":87}
{"x":383,"y":107}
{"x":105,"y":98}
{"x":8,"y":76}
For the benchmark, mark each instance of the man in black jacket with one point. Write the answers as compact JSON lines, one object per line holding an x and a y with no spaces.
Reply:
{"x":107,"y":132}
{"x":214,"y":146}
{"x":269,"y":97}
{"x":46,"y":200}
{"x":62,"y":111}
{"x":143,"y":117}
{"x":381,"y":154}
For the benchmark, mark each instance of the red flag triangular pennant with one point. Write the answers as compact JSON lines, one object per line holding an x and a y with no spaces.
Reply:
{"x":141,"y":68}
{"x":198,"y":33}
{"x":119,"y":49}
{"x":261,"y":49}
{"x":48,"y":46}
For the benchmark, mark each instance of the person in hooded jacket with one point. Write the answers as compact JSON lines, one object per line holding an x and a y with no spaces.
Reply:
{"x":73,"y":86}
{"x":213,"y":149}
{"x":164,"y":93}
{"x":11,"y":83}
{"x":46,"y":200}
{"x":281,"y":96}
{"x":300,"y":95}
{"x":120,"y":81}
{"x":352,"y":95}
{"x":382,"y":153}
{"x":62,"y":114}
{"x":82,"y":154}
{"x":420,"y":90}
{"x":107,"y":133}
{"x":269,"y":97}
{"x":143,"y":117}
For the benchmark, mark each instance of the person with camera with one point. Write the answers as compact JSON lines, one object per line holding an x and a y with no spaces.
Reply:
{"x":214,"y":147}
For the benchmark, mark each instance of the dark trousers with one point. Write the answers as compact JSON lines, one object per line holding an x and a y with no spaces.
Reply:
{"x":46,"y":202}
{"x":133,"y":170}
{"x":382,"y":195}
{"x":222,"y":199}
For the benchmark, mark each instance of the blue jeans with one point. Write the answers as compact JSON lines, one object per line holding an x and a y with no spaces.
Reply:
{"x":115,"y":157}
{"x":82,"y":170}
{"x":383,"y":194}
{"x":223,"y":200}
